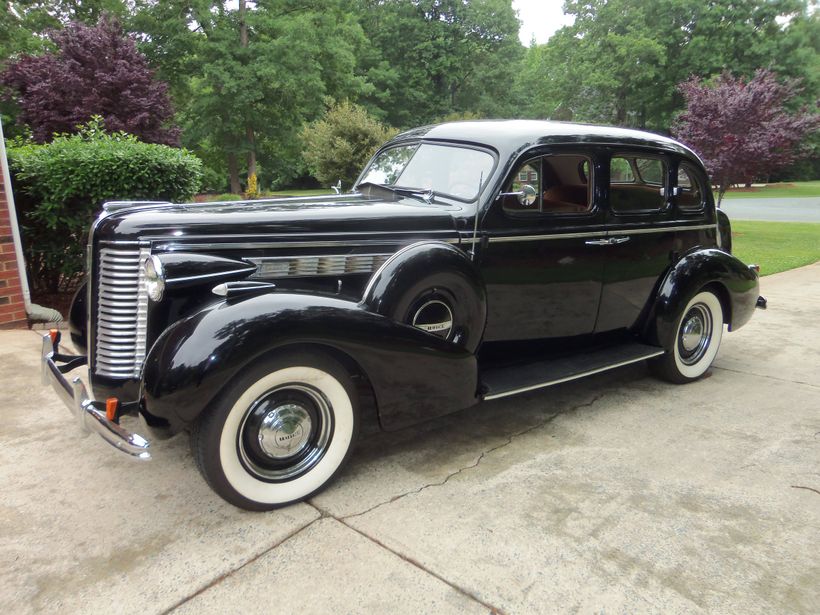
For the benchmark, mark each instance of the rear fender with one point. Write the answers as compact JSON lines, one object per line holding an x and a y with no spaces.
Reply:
{"x":737,"y":284}
{"x":414,"y":375}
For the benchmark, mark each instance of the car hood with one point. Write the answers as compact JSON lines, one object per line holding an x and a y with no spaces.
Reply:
{"x":332,"y":217}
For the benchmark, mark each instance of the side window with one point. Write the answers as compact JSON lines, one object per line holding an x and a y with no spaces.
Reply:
{"x":690,"y":190}
{"x":562,"y":184}
{"x":636,"y":183}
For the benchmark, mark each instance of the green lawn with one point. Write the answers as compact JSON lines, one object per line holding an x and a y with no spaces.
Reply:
{"x":795,"y":189}
{"x":776,"y":246}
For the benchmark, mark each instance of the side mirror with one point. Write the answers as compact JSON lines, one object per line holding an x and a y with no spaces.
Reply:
{"x":337,"y":188}
{"x":526,"y":196}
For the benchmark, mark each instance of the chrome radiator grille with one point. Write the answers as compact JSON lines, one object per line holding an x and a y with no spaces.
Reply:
{"x":122,"y":312}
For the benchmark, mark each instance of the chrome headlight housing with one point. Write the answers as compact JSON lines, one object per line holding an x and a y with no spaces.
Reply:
{"x":154,"y":278}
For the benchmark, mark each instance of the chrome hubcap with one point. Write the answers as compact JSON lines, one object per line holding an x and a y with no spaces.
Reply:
{"x":285,"y":433}
{"x":694,"y":334}
{"x":691,"y":333}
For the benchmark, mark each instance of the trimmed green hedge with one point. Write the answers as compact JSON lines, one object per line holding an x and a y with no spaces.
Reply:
{"x":60,"y":186}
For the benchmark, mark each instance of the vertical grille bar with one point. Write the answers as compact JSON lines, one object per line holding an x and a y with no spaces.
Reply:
{"x":122,"y":312}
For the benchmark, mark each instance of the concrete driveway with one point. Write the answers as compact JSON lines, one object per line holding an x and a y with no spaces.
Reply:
{"x":614,"y":494}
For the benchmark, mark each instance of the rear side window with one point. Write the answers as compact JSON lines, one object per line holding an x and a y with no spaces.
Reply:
{"x":637,"y":183}
{"x":690,"y":189}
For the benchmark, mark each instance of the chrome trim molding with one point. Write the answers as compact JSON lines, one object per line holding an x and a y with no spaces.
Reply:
{"x":513,"y":238}
{"x":664,"y":229}
{"x":611,"y":231}
{"x":275,"y":267}
{"x":590,"y":372}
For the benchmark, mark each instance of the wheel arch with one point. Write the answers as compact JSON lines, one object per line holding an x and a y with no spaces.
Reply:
{"x":735,"y":285}
{"x":423,"y":267}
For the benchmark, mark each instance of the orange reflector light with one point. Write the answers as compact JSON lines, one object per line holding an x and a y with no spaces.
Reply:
{"x":111,"y":405}
{"x":54,"y":334}
{"x":756,"y":268}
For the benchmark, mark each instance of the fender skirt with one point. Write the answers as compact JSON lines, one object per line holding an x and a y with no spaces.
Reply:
{"x":414,"y":374}
{"x":696,"y":270}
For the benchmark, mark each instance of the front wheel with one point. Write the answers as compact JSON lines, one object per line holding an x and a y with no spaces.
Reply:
{"x":697,"y":338}
{"x":280,"y":433}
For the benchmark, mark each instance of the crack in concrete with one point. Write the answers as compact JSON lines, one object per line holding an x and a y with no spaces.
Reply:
{"x":494,"y":610}
{"x":806,"y":488}
{"x":229,"y":573}
{"x":738,"y":371}
{"x":480,"y":458}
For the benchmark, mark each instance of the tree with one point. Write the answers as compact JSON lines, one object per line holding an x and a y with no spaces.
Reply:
{"x":740,"y":128}
{"x":338,"y":145}
{"x":431,"y":58}
{"x":253,"y":75}
{"x":94,"y":70}
{"x":621,"y":60}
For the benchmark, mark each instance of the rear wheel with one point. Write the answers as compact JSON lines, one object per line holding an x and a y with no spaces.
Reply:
{"x":698,"y":332}
{"x":280,"y":433}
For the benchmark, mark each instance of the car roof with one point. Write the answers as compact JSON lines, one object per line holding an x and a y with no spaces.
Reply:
{"x":511,"y":136}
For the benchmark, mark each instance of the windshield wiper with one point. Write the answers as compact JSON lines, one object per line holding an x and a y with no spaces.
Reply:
{"x":425,"y":195}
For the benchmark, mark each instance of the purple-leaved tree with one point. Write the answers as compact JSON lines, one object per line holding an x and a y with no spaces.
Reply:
{"x":742,"y":129}
{"x":95,"y":70}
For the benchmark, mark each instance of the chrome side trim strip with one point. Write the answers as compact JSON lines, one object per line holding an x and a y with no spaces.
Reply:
{"x":262,"y":245}
{"x":661,"y":229}
{"x":544,"y":237}
{"x":549,"y":383}
{"x":206,"y":276}
{"x":611,"y":231}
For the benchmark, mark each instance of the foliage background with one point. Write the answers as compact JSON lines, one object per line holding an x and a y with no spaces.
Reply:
{"x":59,"y":187}
{"x":245,"y":77}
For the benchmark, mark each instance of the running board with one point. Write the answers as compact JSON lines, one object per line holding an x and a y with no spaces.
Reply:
{"x":504,"y":381}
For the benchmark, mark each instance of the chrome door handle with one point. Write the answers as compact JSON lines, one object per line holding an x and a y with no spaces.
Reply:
{"x":610,"y":241}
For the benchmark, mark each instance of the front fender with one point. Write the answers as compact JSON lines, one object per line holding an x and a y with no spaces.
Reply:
{"x":738,"y":284}
{"x":414,"y":375}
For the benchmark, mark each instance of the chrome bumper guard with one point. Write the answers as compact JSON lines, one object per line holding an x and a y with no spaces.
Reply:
{"x":90,"y":414}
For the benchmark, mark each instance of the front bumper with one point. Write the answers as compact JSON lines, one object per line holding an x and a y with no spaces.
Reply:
{"x":90,"y":414}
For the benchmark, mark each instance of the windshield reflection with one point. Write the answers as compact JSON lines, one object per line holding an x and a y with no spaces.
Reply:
{"x":445,"y":169}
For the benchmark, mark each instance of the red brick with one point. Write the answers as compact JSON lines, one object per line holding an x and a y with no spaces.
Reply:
{"x":7,"y":248}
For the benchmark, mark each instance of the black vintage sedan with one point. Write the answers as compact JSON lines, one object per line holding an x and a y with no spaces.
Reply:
{"x":471,"y":261}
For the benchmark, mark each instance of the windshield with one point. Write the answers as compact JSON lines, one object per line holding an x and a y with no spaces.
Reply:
{"x":444,"y":169}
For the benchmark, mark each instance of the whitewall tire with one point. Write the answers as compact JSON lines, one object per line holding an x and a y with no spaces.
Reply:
{"x":280,"y":433}
{"x":698,"y":331}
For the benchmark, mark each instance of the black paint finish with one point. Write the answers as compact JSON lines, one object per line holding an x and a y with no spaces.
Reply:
{"x":520,"y":288}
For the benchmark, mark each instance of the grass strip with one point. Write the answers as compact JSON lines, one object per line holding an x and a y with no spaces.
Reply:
{"x":776,"y":246}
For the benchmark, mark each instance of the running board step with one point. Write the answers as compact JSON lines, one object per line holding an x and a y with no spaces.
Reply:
{"x":503,"y":381}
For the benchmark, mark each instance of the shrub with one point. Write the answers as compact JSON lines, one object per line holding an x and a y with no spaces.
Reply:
{"x":338,"y":145}
{"x":60,"y":186}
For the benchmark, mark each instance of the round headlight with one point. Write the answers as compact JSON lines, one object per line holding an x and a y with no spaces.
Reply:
{"x":154,"y":278}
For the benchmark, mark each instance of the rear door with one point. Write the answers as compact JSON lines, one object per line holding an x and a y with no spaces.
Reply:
{"x":641,"y":242}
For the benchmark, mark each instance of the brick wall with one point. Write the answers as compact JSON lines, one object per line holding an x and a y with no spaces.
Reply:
{"x":12,"y":307}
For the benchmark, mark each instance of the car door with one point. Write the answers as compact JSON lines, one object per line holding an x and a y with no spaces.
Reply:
{"x":543,"y":278}
{"x":641,"y":242}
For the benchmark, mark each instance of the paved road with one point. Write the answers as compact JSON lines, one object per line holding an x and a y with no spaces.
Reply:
{"x":783,"y":210}
{"x":616,"y":494}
